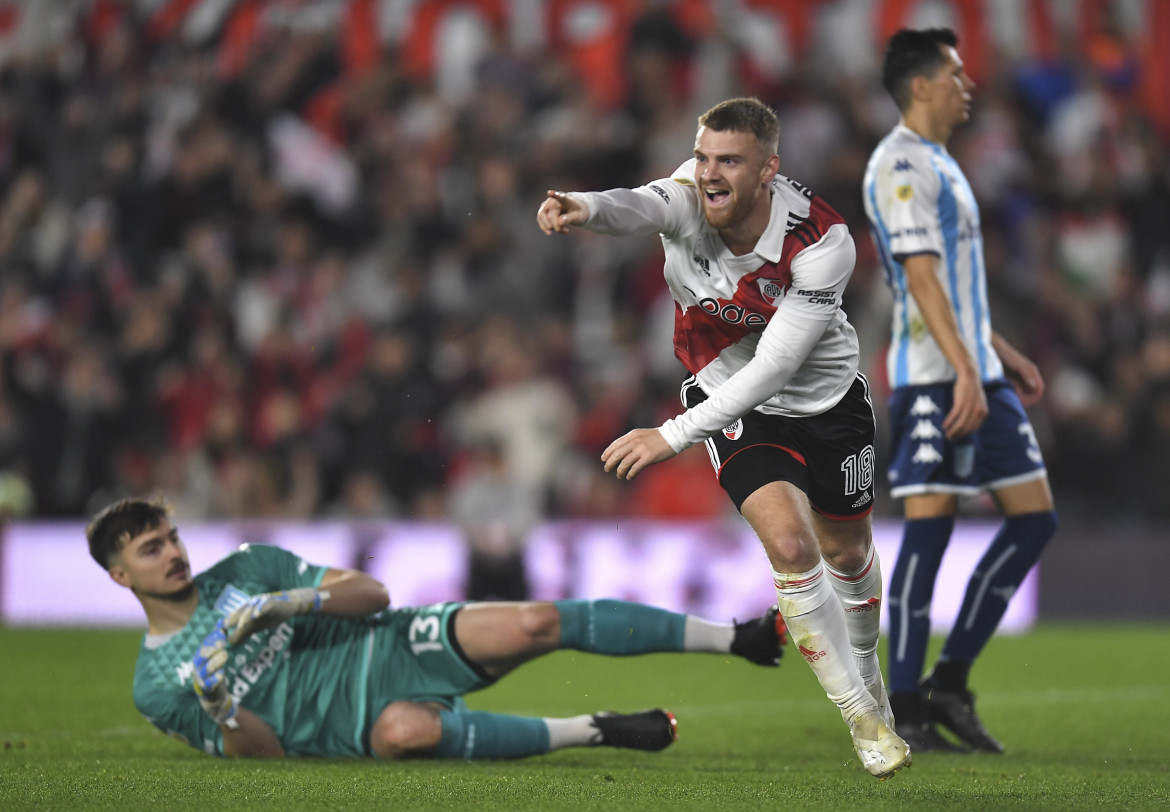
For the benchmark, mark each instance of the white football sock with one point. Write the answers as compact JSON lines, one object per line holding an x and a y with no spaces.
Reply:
{"x":816,"y":625}
{"x":574,"y":731}
{"x":860,"y":594}
{"x":705,"y":635}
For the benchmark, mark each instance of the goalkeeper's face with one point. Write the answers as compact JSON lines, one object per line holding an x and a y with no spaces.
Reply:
{"x":154,"y":564}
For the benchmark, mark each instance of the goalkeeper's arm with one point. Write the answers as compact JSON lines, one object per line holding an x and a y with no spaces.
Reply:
{"x":353,"y":594}
{"x":345,"y":593}
{"x":244,"y":733}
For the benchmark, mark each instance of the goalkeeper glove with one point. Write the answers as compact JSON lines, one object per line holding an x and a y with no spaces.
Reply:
{"x":271,"y":609}
{"x":210,"y":682}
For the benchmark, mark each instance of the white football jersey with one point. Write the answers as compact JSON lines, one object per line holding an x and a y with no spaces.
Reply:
{"x":919,"y":202}
{"x":761,"y":331}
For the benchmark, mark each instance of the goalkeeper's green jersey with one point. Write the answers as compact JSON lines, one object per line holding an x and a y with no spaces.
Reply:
{"x":319,"y":681}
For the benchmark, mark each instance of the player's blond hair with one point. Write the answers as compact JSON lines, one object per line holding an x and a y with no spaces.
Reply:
{"x":746,"y":114}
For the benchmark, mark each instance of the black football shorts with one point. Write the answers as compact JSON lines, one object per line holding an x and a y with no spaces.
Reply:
{"x":829,"y":456}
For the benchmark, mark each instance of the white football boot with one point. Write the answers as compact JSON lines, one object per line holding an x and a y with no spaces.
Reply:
{"x":881,"y":750}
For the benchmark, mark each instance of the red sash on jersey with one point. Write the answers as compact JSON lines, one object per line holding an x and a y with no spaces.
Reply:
{"x":707,"y":329}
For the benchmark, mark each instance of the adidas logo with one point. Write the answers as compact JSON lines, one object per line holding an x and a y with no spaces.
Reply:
{"x":868,"y":606}
{"x":810,"y":655}
{"x":863,"y":500}
{"x":924,"y":405}
{"x":926,"y":453}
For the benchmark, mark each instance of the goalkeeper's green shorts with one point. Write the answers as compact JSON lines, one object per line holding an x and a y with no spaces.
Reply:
{"x":417,"y":659}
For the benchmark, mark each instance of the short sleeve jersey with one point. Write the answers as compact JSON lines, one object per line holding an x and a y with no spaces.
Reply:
{"x":919,"y":202}
{"x":307,"y":678}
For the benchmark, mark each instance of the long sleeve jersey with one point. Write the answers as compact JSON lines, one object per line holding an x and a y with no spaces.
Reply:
{"x":761,"y":331}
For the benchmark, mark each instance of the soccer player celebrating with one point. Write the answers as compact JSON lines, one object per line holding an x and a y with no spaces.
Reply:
{"x":757,"y":264}
{"x":266,"y":655}
{"x":959,"y":390}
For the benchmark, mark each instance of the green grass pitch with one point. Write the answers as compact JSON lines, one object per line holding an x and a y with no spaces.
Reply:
{"x":1082,"y":709}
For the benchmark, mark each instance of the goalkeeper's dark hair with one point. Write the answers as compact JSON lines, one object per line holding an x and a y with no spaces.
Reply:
{"x":746,"y":114}
{"x":118,"y":523}
{"x":911,"y":53}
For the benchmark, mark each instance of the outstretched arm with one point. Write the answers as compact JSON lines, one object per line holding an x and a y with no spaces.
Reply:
{"x":559,"y":211}
{"x":659,"y":207}
{"x":1019,"y":369}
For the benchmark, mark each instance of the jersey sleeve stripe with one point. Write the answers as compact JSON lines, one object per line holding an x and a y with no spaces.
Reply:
{"x":948,"y":218}
{"x":977,"y":305}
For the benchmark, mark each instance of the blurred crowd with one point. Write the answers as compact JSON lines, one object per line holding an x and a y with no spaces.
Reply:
{"x":277,"y":258}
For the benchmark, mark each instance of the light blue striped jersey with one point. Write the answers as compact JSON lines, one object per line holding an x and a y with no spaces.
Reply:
{"x":919,"y":202}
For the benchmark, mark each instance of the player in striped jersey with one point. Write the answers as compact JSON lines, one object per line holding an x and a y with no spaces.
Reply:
{"x":959,"y":391}
{"x":757,"y":265}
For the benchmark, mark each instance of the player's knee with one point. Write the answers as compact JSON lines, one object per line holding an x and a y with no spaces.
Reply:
{"x":845,"y":545}
{"x":404,"y":730}
{"x":541,"y":623}
{"x":848,"y":557}
{"x":791,"y":550}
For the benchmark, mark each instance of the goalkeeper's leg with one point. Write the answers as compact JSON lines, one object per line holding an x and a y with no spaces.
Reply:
{"x":413,"y":730}
{"x":497,"y":637}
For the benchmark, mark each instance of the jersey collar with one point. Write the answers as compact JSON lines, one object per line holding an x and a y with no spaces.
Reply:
{"x":906,"y":132}
{"x":771,"y":243}
{"x":153,"y":641}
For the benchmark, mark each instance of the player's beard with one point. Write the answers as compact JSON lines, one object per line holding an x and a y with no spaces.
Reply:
{"x":178,"y":596}
{"x":725,"y":217}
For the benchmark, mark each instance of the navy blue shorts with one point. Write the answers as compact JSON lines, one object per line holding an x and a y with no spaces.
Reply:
{"x":829,"y":456}
{"x":1001,"y":453}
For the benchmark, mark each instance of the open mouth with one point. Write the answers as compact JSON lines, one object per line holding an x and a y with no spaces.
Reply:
{"x":717,"y":196}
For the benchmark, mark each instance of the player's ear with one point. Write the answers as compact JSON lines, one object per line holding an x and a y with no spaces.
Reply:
{"x":119,"y":575}
{"x":770,"y":168}
{"x":920,"y":88}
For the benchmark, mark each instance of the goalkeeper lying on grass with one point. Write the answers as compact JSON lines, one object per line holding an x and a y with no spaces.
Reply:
{"x":266,"y":655}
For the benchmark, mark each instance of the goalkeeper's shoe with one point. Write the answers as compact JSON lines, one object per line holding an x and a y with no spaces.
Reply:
{"x":647,"y":730}
{"x":882,"y":751}
{"x":762,"y":640}
{"x":955,"y":710}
